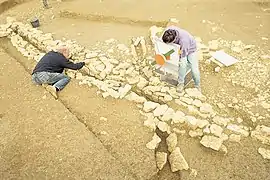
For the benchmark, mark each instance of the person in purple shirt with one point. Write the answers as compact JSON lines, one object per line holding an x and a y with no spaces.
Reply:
{"x":188,"y":57}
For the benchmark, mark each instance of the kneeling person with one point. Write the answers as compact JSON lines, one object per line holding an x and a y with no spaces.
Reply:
{"x":49,"y":70}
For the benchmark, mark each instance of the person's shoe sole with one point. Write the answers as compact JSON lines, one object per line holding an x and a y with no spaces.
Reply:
{"x":53,"y":91}
{"x":180,"y":88}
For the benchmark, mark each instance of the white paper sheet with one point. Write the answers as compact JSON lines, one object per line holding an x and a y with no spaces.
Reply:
{"x":224,"y":58}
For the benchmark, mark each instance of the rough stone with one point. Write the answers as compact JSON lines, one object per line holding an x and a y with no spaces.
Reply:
{"x":239,"y":120}
{"x":236,"y":49}
{"x":161,"y":159}
{"x":124,"y":90}
{"x":196,"y":133}
{"x":165,"y":89}
{"x":212,"y":142}
{"x":234,"y":100}
{"x":113,"y":93}
{"x":193,"y":110}
{"x":192,"y":122}
{"x":177,"y":101}
{"x":147,"y":72}
{"x":217,"y":69}
{"x":173,"y":93}
{"x":105,"y":94}
{"x":262,"y":133}
{"x":135,"y":97}
{"x":265,"y":153}
{"x":149,"y":106}
{"x":132,"y":80}
{"x":206,"y":130}
{"x":223,"y":149}
{"x":224,"y":137}
{"x":3,"y":33}
{"x":100,"y":67}
{"x":238,"y":130}
{"x":142,"y":83}
{"x":197,"y":103}
{"x":171,"y":141}
{"x":178,"y":117}
{"x":91,"y":55}
{"x":153,"y":88}
{"x":220,"y":105}
{"x":154,"y":142}
{"x":213,"y":45}
{"x":195,"y":93}
{"x":216,"y":130}
{"x":193,"y":174}
{"x":103,"y":119}
{"x":186,"y":100}
{"x":151,"y":123}
{"x":235,"y":138}
{"x":202,"y":123}
{"x":206,"y":108}
{"x":221,"y":120}
{"x":113,"y":61}
{"x":265,"y":105}
{"x":177,"y":161}
{"x":265,"y":57}
{"x":168,"y":115}
{"x":163,"y":126}
{"x":154,"y":81}
{"x":130,"y":70}
{"x":168,"y":98}
{"x":160,"y":110}
{"x":178,"y":131}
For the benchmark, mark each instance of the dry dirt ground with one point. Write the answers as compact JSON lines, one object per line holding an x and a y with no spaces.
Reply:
{"x":41,"y":138}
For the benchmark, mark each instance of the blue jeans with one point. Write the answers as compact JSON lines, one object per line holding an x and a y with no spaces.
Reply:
{"x":58,"y":80}
{"x":190,"y":61}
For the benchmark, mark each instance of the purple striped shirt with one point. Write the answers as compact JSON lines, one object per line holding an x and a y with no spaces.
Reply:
{"x":186,"y":41}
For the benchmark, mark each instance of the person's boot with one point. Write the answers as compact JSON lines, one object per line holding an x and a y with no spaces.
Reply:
{"x":52,"y":90}
{"x":180,"y":88}
{"x":198,"y":88}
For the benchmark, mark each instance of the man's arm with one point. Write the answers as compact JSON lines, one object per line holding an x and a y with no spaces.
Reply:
{"x":184,"y":49}
{"x":70,"y":65}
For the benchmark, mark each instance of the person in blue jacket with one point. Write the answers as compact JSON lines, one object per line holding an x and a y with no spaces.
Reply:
{"x":49,"y":70}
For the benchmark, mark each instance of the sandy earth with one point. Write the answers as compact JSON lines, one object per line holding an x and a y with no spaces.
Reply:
{"x":46,"y":139}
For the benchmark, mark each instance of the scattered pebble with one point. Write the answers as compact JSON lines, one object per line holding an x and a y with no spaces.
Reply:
{"x":103,"y":119}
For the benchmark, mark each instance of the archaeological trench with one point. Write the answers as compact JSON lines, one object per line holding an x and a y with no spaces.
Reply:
{"x":168,"y":115}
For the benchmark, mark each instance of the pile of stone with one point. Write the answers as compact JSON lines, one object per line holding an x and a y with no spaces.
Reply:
{"x":161,"y":116}
{"x":262,"y":133}
{"x":249,"y":66}
{"x":176,"y":158}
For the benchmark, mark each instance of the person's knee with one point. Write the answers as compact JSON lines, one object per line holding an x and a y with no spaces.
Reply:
{"x":35,"y":80}
{"x":69,"y":78}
